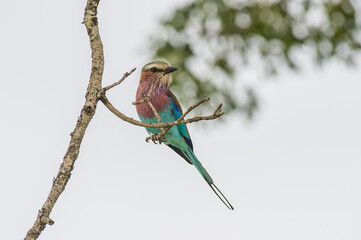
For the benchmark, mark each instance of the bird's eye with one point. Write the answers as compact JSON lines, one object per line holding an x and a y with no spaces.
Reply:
{"x":153,"y":69}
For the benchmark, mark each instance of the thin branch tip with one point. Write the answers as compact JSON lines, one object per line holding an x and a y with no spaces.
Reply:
{"x":125,"y":75}
{"x":218,"y":110}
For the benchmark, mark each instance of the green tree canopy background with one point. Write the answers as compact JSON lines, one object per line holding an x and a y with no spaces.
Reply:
{"x":214,"y":41}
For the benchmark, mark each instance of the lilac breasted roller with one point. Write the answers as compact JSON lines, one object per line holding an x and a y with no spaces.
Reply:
{"x":169,"y":110}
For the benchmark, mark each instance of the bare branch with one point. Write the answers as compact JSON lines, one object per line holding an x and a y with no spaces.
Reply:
{"x":155,"y":125}
{"x":121,"y":80}
{"x":87,"y":112}
{"x":218,"y":109}
{"x":151,"y":87}
{"x":193,"y":107}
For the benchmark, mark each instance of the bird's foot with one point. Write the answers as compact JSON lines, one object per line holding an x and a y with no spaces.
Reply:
{"x":156,"y":138}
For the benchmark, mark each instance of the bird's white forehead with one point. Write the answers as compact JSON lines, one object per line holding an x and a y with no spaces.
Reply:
{"x":157,"y":64}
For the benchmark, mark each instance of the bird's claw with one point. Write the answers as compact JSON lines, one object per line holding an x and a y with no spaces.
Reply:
{"x":156,"y":138}
{"x":160,"y":138}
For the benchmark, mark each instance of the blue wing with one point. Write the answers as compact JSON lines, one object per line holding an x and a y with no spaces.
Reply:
{"x":181,"y":128}
{"x":177,"y":114}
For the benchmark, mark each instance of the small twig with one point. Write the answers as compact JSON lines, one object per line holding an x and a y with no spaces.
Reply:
{"x":138,"y":102}
{"x":218,"y":109}
{"x":151,"y":87}
{"x":146,"y":99}
{"x":121,"y":80}
{"x":164,"y":131}
{"x":193,"y":107}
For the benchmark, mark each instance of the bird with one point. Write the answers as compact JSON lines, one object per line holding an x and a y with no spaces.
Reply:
{"x":155,"y":79}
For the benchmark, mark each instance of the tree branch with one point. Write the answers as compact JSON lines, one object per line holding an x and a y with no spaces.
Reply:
{"x":87,"y":112}
{"x":120,"y":81}
{"x":106,"y":102}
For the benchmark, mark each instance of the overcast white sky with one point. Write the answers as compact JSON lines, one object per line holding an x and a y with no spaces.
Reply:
{"x":293,"y":173}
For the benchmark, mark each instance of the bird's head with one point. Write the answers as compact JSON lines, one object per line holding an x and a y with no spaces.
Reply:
{"x":158,"y":71}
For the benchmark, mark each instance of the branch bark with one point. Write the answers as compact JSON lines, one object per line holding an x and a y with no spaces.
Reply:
{"x":91,"y":23}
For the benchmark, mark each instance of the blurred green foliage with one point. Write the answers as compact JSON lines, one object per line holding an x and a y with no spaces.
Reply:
{"x":213,"y":42}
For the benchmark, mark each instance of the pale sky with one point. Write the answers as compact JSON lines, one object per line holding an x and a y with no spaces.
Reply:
{"x":293,"y":173}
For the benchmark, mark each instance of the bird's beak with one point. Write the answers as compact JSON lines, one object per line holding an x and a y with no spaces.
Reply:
{"x":169,"y":70}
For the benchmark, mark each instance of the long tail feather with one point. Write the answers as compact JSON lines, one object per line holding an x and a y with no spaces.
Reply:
{"x":208,"y":178}
{"x":221,"y":196}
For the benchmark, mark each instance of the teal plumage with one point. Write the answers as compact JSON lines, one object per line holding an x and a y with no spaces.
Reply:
{"x":169,"y":110}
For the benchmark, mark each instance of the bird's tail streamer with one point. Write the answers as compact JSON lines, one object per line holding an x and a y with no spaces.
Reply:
{"x":208,"y":178}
